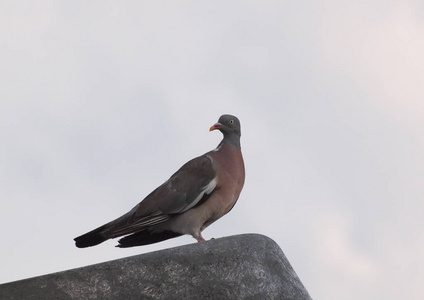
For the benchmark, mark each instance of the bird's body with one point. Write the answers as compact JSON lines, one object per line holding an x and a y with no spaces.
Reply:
{"x":199,"y":193}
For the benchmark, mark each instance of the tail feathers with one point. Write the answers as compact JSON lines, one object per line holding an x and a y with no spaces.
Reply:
{"x":92,"y":238}
{"x":146,"y":237}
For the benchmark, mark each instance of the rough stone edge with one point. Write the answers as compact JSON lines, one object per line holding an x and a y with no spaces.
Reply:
{"x":180,"y":250}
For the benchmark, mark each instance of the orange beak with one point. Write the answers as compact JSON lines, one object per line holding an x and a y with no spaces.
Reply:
{"x":215,"y":126}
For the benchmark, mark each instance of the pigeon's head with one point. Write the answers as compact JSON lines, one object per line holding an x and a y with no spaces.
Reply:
{"x":228,"y":125}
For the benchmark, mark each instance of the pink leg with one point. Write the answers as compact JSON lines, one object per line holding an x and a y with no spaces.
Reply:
{"x":199,"y":238}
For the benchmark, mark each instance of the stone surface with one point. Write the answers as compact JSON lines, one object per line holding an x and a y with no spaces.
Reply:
{"x":248,"y":266}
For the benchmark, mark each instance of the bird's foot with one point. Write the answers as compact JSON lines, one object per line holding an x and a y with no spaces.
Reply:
{"x":199,"y":238}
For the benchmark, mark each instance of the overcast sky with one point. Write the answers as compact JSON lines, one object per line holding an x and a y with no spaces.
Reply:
{"x":100,"y":102}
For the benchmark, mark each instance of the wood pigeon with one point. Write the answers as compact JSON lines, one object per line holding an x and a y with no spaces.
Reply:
{"x":199,"y":193}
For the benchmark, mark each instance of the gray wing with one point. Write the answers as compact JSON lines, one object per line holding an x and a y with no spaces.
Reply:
{"x":186,"y":188}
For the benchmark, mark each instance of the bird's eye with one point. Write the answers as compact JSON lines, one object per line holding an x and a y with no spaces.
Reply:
{"x":231,"y":121}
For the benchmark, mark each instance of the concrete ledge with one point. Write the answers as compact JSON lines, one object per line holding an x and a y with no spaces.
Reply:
{"x":248,"y":266}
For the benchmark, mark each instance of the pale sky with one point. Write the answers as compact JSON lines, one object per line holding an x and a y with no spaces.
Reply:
{"x":102,"y":101}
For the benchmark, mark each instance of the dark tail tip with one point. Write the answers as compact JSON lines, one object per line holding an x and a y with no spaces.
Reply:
{"x":91,"y":238}
{"x":84,"y":242}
